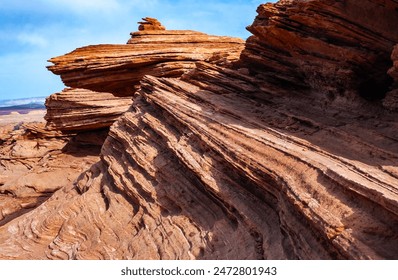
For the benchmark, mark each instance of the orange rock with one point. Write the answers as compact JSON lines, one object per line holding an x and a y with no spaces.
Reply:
{"x":149,"y":23}
{"x":332,"y":47}
{"x":119,"y":68}
{"x":278,"y":149}
{"x":80,"y":109}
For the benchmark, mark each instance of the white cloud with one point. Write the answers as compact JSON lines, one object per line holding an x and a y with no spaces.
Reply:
{"x":35,"y":40}
{"x":69,"y":24}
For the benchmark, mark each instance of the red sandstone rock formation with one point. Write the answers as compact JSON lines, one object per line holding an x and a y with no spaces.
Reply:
{"x":80,"y":109}
{"x":35,"y":163}
{"x":119,"y":68}
{"x":391,"y":99}
{"x":149,"y":23}
{"x":334,"y":47}
{"x":272,"y":151}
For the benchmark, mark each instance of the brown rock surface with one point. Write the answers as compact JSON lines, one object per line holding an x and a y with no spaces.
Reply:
{"x":393,"y":72}
{"x":118,"y":68}
{"x":334,"y":47}
{"x":34,"y":163}
{"x":81,"y":109}
{"x":248,"y":152}
{"x":391,"y":99}
{"x":149,"y":23}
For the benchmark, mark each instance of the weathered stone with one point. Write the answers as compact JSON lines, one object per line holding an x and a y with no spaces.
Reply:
{"x":278,"y":150}
{"x":119,"y":68}
{"x":391,"y":99}
{"x":81,"y":109}
{"x":149,"y":23}
{"x":393,"y":72}
{"x":333,"y":47}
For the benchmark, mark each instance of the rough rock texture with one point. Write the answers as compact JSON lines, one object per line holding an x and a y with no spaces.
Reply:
{"x":80,"y":109}
{"x":334,"y":47}
{"x":150,"y":24}
{"x":36,"y":162}
{"x":253,"y":152}
{"x":119,"y":68}
{"x":391,"y":99}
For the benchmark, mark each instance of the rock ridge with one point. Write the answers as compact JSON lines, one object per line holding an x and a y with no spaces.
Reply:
{"x":334,"y":47}
{"x":162,"y":53}
{"x":285,"y":148}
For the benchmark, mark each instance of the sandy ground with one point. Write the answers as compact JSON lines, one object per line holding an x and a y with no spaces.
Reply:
{"x":14,"y":117}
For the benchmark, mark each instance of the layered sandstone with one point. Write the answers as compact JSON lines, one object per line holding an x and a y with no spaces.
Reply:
{"x":161,"y":53}
{"x":81,"y":109}
{"x":149,"y":23}
{"x":285,"y":150}
{"x":391,"y":99}
{"x":35,"y":163}
{"x":393,"y":72}
{"x":335,"y":47}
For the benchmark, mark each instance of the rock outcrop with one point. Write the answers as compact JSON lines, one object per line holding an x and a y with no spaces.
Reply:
{"x":334,"y":47}
{"x":35,"y":163}
{"x":393,"y":72}
{"x":391,"y":99}
{"x":161,"y":53}
{"x":81,"y":109}
{"x":288,"y":150}
{"x":149,"y":23}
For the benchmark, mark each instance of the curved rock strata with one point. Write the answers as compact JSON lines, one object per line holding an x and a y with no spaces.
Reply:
{"x":333,"y":47}
{"x":81,"y":109}
{"x":35,"y":163}
{"x":283,"y":150}
{"x":119,"y":68}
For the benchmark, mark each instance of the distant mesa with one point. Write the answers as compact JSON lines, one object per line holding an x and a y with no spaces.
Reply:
{"x":149,"y":23}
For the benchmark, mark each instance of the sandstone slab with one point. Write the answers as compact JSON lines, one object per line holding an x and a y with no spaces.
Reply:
{"x":81,"y":109}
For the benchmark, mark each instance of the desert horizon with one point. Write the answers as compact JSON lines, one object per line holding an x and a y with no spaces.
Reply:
{"x":24,"y":116}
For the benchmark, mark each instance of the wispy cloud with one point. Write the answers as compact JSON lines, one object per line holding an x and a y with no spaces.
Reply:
{"x":34,"y":40}
{"x":33,"y":31}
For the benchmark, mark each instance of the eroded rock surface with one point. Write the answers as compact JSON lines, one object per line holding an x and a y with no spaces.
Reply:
{"x":293,"y":166}
{"x":335,"y":47}
{"x":391,"y":99}
{"x":81,"y":109}
{"x":34,"y":163}
{"x":149,"y":23}
{"x":161,"y":53}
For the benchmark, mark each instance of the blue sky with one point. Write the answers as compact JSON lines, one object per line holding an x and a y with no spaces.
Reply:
{"x":31,"y":32}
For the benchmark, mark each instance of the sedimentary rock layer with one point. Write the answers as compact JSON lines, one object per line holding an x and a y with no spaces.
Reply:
{"x":81,"y":109}
{"x":191,"y":169}
{"x":35,"y":163}
{"x":391,"y":99}
{"x":394,"y":69}
{"x":118,"y":68}
{"x":334,"y":47}
{"x":149,"y":23}
{"x":248,"y":152}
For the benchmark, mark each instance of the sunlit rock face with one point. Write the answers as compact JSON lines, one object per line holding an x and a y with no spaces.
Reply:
{"x":81,"y":109}
{"x":335,"y":47}
{"x":118,"y":69}
{"x":281,"y":154}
